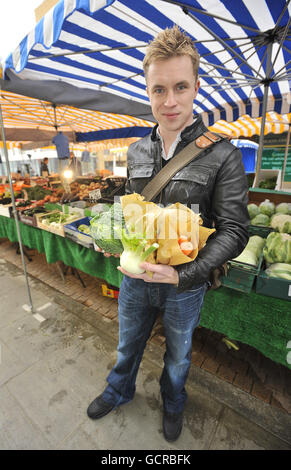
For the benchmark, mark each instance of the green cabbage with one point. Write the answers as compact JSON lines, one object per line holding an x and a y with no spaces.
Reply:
{"x":256,"y":245}
{"x":261,"y":219}
{"x":253,"y":210}
{"x":281,"y":223}
{"x":267,"y":207}
{"x":252,"y":252}
{"x":277,"y":248}
{"x":283,"y":208}
{"x":104,"y":229}
{"x":280,"y":270}
{"x":247,"y":256}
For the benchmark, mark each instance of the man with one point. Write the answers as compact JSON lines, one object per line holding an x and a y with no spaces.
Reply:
{"x":75,"y":165}
{"x":216,"y":182}
{"x":44,"y":167}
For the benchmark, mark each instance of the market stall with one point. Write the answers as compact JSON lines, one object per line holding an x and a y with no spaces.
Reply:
{"x":254,"y":319}
{"x":56,"y":222}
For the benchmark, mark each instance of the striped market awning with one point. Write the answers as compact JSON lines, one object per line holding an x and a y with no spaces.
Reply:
{"x":246,"y":126}
{"x":24,"y":112}
{"x":89,"y":53}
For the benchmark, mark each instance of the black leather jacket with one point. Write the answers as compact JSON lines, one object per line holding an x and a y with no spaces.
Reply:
{"x":215,"y":183}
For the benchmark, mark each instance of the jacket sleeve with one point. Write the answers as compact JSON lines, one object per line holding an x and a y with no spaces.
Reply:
{"x":231,"y":218}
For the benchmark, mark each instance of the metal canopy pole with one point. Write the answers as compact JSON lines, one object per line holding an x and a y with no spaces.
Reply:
{"x":14,"y":210}
{"x":286,"y":155}
{"x":264,"y":111}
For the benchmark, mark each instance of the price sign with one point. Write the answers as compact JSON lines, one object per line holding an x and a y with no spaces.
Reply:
{"x":95,"y":195}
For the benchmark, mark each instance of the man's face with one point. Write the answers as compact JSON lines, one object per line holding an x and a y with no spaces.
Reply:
{"x":171,"y":87}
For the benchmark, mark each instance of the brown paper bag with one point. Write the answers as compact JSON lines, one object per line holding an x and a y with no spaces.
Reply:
{"x":165,"y":226}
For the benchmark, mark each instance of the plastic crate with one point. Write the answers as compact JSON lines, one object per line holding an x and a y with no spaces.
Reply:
{"x":51,"y":228}
{"x":269,"y":174}
{"x":260,"y":230}
{"x":72,"y":232}
{"x":28,"y":219}
{"x":273,"y":286}
{"x":241,"y":276}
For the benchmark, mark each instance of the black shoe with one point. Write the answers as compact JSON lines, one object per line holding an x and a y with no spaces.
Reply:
{"x":99,"y":408}
{"x":172,"y":425}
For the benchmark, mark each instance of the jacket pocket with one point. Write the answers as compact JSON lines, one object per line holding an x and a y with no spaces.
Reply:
{"x":139,"y":176}
{"x":199,"y":175}
{"x":140,"y":172}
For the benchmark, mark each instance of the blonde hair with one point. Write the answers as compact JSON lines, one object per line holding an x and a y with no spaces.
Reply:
{"x":171,"y":42}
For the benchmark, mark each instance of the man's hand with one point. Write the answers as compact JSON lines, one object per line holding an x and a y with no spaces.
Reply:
{"x":161,"y":273}
{"x":106,"y":254}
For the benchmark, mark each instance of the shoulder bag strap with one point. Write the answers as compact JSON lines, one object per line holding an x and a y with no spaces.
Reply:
{"x":185,"y":156}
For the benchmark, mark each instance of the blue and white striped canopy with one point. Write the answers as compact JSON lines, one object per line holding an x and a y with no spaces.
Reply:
{"x":93,"y":49}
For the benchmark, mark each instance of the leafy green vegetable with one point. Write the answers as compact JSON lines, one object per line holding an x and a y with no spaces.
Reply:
{"x":104,"y":229}
{"x":267,"y":207}
{"x":58,"y":218}
{"x":279,"y":270}
{"x":37,"y":192}
{"x":283,"y":208}
{"x":261,"y":220}
{"x":278,"y":248}
{"x":247,"y":256}
{"x":84,"y":228}
{"x":136,"y":250}
{"x":281,"y":223}
{"x":269,"y":183}
{"x":256,"y":245}
{"x":253,"y":210}
{"x":252,"y":251}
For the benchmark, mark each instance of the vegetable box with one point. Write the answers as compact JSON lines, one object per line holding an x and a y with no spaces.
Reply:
{"x":57,"y":228}
{"x":260,"y":230}
{"x":6,"y":210}
{"x":273,"y":287}
{"x":270,"y":174}
{"x":30,"y":219}
{"x":73,"y":233}
{"x":241,"y":276}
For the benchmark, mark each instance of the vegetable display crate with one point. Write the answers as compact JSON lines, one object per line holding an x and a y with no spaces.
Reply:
{"x":260,"y":230}
{"x":241,"y":276}
{"x":72,"y":232}
{"x":58,"y":230}
{"x":268,"y":175}
{"x":273,"y":286}
{"x":6,"y":210}
{"x":30,"y":220}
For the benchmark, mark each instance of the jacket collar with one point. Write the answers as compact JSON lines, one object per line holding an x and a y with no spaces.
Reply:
{"x":189,"y":133}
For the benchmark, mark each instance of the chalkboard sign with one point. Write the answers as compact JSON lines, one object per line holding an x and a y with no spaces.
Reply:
{"x":273,"y":159}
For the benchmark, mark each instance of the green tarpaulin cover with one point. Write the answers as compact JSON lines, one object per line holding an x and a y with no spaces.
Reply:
{"x":256,"y":320}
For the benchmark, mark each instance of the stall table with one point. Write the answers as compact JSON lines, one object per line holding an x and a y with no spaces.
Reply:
{"x":261,"y":322}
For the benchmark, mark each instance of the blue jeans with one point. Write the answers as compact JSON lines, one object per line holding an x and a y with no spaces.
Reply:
{"x":139,"y":305}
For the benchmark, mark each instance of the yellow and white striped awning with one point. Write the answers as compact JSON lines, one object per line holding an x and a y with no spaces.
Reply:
{"x":246,"y":126}
{"x":20,"y":111}
{"x":109,"y":144}
{"x":11,"y":145}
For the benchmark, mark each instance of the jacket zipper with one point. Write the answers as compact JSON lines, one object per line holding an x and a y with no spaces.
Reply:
{"x":160,"y":149}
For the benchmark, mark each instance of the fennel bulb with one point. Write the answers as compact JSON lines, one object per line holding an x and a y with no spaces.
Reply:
{"x":135,"y":251}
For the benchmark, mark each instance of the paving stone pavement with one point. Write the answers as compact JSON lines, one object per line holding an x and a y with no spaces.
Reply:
{"x":55,"y":362}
